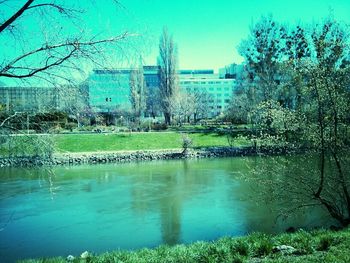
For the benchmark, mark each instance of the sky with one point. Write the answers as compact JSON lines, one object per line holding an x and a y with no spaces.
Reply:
{"x":207,"y":32}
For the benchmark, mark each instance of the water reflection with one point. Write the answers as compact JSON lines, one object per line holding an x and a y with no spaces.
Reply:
{"x":137,"y":205}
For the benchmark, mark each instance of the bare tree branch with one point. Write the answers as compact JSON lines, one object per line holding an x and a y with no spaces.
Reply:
{"x":70,"y":48}
{"x":13,"y":18}
{"x":8,"y":118}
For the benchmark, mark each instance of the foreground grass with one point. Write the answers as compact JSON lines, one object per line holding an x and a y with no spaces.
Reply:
{"x":316,"y":246}
{"x":135,"y":141}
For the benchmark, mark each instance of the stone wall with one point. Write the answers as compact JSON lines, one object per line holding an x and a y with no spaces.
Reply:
{"x":115,"y":157}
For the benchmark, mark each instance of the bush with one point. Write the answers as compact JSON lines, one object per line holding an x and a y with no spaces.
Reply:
{"x":241,"y":247}
{"x":326,"y":242}
{"x":159,"y":126}
{"x":264,"y":248}
{"x":186,"y":143}
{"x":70,"y":126}
{"x":303,"y":242}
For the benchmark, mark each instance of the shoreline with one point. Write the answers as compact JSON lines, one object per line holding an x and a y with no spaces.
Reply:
{"x":320,"y":245}
{"x":77,"y":158}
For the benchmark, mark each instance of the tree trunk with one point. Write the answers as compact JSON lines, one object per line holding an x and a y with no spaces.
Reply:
{"x":167,"y":118}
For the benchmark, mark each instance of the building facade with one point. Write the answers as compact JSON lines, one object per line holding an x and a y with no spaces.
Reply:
{"x":218,"y":91}
{"x":110,"y":89}
{"x":29,"y":99}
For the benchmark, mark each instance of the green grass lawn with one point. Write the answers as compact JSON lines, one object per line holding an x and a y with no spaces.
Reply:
{"x":99,"y":142}
{"x":134,"y":141}
{"x":315,"y":246}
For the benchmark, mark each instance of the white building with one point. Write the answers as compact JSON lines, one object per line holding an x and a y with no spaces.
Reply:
{"x":219,"y":90}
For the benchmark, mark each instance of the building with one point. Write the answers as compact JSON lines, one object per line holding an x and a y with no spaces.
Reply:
{"x":29,"y":99}
{"x":219,"y":90}
{"x":151,"y":75}
{"x":232,"y":71}
{"x":109,"y":89}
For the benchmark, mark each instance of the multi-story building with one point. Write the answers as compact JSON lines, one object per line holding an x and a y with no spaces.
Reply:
{"x":232,"y":71}
{"x":219,"y":90}
{"x":109,"y":89}
{"x":29,"y":99}
{"x":151,"y":75}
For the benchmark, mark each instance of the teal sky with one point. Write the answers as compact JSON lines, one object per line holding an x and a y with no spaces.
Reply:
{"x":208,"y":32}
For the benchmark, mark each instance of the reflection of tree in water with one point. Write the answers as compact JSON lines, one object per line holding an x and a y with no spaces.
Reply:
{"x":170,"y":210}
{"x":163,"y":189}
{"x":46,"y":179}
{"x":275,"y":187}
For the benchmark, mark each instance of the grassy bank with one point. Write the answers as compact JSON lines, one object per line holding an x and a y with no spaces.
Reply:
{"x":94,"y":142}
{"x":134,"y":141}
{"x":315,"y":246}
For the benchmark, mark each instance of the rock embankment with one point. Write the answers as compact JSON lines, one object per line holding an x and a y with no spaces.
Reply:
{"x":116,"y":157}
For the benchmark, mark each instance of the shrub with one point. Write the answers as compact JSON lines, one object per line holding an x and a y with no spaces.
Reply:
{"x":302,"y":241}
{"x":326,"y":242}
{"x":159,"y":126}
{"x":241,"y":247}
{"x":186,"y":143}
{"x":264,"y":248}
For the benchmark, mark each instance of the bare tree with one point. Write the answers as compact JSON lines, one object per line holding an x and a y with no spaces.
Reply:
{"x":153,"y":102}
{"x":46,"y":45}
{"x":168,"y":78}
{"x":137,"y":92}
{"x":182,"y":107}
{"x":201,"y":105}
{"x":54,"y":53}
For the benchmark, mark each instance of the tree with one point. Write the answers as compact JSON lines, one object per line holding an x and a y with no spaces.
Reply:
{"x":200,"y":105}
{"x":46,"y":45}
{"x":56,"y":51}
{"x":76,"y":104}
{"x":182,"y":107}
{"x":318,"y":66}
{"x":326,"y":109}
{"x":167,"y":62}
{"x":263,"y":52}
{"x":137,"y":92}
{"x":153,"y":102}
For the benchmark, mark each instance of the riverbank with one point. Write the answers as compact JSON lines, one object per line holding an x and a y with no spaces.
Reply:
{"x":126,"y":156}
{"x":301,"y":246}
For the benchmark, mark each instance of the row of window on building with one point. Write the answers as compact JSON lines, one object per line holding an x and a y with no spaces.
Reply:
{"x":109,"y":89}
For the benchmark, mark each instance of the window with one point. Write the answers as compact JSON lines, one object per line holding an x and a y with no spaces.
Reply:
{"x":211,"y":88}
{"x":227,"y":101}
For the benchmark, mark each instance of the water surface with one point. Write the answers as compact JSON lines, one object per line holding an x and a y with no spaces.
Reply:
{"x":67,"y":210}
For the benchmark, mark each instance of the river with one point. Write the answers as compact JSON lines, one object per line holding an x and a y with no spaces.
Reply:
{"x":66,"y":210}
